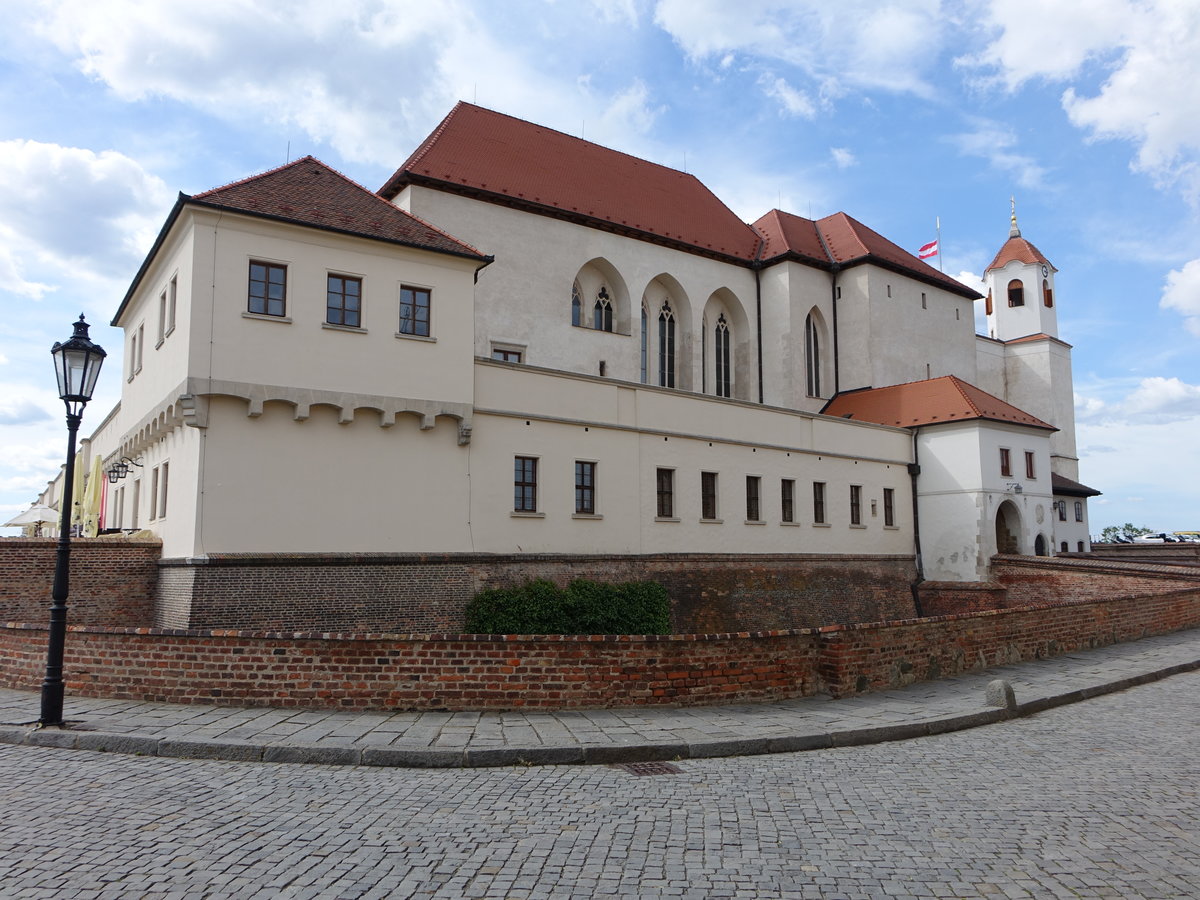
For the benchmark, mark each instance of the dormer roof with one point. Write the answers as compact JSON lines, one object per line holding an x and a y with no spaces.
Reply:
{"x":934,"y":401}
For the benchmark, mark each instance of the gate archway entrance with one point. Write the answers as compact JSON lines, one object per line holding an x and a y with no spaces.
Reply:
{"x":1008,"y":528}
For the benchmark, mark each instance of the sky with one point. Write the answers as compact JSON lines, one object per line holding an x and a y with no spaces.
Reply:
{"x":897,"y":112}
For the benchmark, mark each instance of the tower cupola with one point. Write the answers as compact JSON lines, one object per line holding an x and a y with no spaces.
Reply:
{"x":1020,"y":289}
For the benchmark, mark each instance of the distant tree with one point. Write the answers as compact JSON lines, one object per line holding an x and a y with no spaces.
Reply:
{"x":1129,"y":530}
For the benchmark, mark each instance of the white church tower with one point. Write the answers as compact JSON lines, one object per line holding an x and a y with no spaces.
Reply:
{"x":1020,"y":290}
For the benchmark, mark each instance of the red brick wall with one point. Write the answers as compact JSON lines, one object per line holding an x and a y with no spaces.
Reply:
{"x":488,"y":672}
{"x":948,"y":598}
{"x":112,"y":582}
{"x":409,"y":593}
{"x":1037,"y":580}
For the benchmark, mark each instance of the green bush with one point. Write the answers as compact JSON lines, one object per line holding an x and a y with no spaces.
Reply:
{"x":585,"y":607}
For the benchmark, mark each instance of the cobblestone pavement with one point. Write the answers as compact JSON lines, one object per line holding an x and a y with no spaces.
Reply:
{"x":1093,"y":800}
{"x":604,"y":735}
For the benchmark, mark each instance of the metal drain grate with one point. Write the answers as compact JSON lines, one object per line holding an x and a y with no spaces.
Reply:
{"x":649,"y":768}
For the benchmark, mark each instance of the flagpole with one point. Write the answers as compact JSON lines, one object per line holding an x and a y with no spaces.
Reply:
{"x":938,"y":224}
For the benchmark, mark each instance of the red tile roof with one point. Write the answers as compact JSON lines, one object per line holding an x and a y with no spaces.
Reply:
{"x":308,"y":192}
{"x":1019,"y":249}
{"x":930,"y":402}
{"x":843,"y":240}
{"x":502,"y":158}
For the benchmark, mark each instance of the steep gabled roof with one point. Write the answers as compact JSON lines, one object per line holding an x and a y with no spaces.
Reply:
{"x":308,"y":192}
{"x":842,"y":240}
{"x":931,"y":402}
{"x":1019,"y":249}
{"x":508,"y":160}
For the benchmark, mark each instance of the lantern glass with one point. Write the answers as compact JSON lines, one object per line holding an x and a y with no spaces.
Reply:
{"x":77,"y":365}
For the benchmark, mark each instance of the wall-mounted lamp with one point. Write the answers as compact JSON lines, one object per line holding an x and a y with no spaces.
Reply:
{"x":120,"y":469}
{"x":1015,"y":487}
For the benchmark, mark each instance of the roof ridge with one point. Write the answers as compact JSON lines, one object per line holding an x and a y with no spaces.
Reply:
{"x":249,"y":178}
{"x":961,"y":386}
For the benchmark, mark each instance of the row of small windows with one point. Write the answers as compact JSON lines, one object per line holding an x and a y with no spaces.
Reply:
{"x":1006,"y":468}
{"x":267,"y":296}
{"x":156,"y":501}
{"x":525,"y":495}
{"x":1016,"y":294}
{"x":167,"y":303}
{"x":1061,"y":507}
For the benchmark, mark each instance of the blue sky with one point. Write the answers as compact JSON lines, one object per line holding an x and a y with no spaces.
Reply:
{"x":895,"y":112}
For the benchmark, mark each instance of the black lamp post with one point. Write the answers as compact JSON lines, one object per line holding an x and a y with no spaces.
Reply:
{"x":77,"y":364}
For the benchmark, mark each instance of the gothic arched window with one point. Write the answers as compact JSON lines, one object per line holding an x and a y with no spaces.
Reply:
{"x":1047,"y":294}
{"x":1016,"y":293}
{"x":645,"y":348}
{"x":602,"y":311}
{"x":666,"y":346}
{"x":576,"y":305}
{"x":721,"y":355}
{"x":812,"y":357}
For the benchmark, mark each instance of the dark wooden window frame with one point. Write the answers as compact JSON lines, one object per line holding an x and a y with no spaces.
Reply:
{"x":343,"y":306}
{"x":262,"y":279}
{"x":585,"y":487}
{"x":525,"y":478}
{"x":416,"y":305}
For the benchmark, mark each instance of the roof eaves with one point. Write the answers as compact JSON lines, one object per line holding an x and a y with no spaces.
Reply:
{"x":180,"y":202}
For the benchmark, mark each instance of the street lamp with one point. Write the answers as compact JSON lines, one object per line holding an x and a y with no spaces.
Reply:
{"x":77,"y":364}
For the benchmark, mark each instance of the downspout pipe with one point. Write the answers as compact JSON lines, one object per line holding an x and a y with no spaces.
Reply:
{"x":914,"y":471}
{"x":758,"y":322}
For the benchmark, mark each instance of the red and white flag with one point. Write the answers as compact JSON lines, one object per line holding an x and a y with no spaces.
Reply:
{"x":930,"y":249}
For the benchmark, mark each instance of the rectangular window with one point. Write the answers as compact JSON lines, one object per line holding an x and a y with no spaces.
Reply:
{"x":119,"y":503}
{"x":855,"y":504}
{"x":924,"y":302}
{"x":889,"y":507}
{"x":162,"y":490}
{"x":172,"y":296}
{"x":137,"y":499}
{"x":818,"y":503}
{"x":525,"y":484}
{"x":1078,"y":510}
{"x":1005,"y":463}
{"x":154,"y":493}
{"x":343,"y":301}
{"x":708,"y":495}
{"x":138,"y":345}
{"x":268,"y":289}
{"x":162,"y":315}
{"x":1061,"y":507}
{"x":506,"y":355}
{"x":665,"y":488}
{"x":585,"y":488}
{"x":753,"y":487}
{"x":787,"y":500}
{"x":133,"y":354}
{"x":414,"y":310}
{"x":1029,"y":472}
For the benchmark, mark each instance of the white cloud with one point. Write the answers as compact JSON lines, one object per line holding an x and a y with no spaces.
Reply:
{"x":70,"y":209}
{"x":1161,"y":399}
{"x":793,"y":101}
{"x":21,"y":411}
{"x":1182,"y":293}
{"x":1150,"y":51}
{"x":854,"y":45}
{"x":995,"y":142}
{"x":843,"y":158}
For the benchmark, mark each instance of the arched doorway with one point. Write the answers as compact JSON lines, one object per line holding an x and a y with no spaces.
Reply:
{"x":1008,"y":528}
{"x":1039,"y":546}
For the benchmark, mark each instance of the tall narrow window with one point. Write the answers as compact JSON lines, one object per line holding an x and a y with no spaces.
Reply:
{"x":753,"y":495}
{"x":708,"y":495}
{"x":1016,"y":293}
{"x":1005,"y":463}
{"x":172,"y":299}
{"x":343,"y":300}
{"x":855,"y":504}
{"x":889,"y":507}
{"x":525,"y":484}
{"x":665,"y":488}
{"x":602,"y":311}
{"x":162,"y":315}
{"x":267,"y":294}
{"x":818,"y":503}
{"x":162,"y":489}
{"x":141,"y":343}
{"x":119,"y":502}
{"x":1029,"y":470}
{"x":645,"y":348}
{"x":585,"y":488}
{"x":137,"y":502}
{"x":721,"y":353}
{"x":812,"y":357}
{"x":1078,"y":510}
{"x":704,"y":356}
{"x":133,"y":353}
{"x":1047,"y":294}
{"x":154,"y":493}
{"x":576,"y":305}
{"x":666,"y":346}
{"x":787,"y":500}
{"x":414,"y":311}
{"x":1061,"y":507}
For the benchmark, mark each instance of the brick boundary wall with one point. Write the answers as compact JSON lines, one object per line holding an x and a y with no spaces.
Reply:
{"x":457,"y":672}
{"x":112,"y":581}
{"x":1030,"y":580}
{"x":1187,"y":554}
{"x":411,"y":593}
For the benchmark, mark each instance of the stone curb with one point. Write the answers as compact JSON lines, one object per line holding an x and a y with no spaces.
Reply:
{"x":588,"y":754}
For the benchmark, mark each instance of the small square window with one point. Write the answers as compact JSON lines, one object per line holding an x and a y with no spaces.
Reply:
{"x":343,"y":301}
{"x":414,"y":310}
{"x":525,"y":484}
{"x":268,"y":289}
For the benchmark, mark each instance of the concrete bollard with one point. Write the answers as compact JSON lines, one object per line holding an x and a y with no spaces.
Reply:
{"x":1000,"y":693}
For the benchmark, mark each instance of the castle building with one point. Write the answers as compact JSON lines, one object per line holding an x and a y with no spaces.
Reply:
{"x":526,"y":343}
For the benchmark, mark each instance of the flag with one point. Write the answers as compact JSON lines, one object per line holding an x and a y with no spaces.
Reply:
{"x":930,"y":249}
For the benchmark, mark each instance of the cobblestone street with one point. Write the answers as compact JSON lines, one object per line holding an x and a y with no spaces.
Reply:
{"x":1097,"y":799}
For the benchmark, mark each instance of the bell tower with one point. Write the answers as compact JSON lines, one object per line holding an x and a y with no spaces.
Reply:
{"x":1020,"y":289}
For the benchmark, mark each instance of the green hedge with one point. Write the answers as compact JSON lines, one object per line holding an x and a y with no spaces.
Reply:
{"x":585,"y":607}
